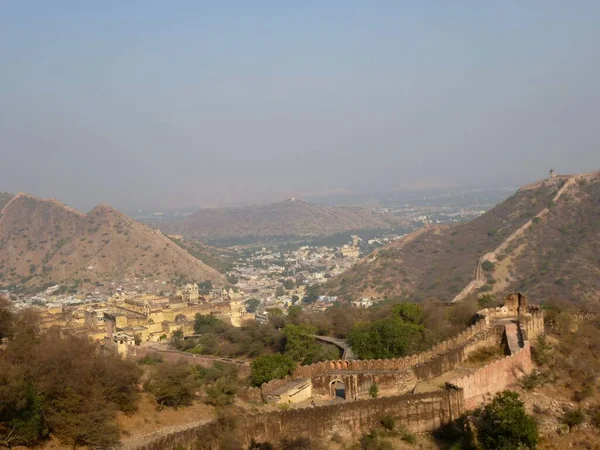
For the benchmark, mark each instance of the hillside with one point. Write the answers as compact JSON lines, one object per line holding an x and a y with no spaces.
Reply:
{"x":555,"y":258}
{"x":4,"y":199}
{"x":44,"y":242}
{"x":288,"y":218}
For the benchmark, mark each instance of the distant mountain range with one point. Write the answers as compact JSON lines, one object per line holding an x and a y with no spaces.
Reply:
{"x":548,"y":247}
{"x":44,"y":242}
{"x":288,"y":218}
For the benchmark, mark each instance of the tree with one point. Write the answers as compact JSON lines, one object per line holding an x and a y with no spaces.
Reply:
{"x":391,"y":337}
{"x":172,"y":384}
{"x":270,"y":367}
{"x":300,"y":344}
{"x":572,"y":417}
{"x":280,"y":291}
{"x":208,"y":324}
{"x":288,"y":284}
{"x":62,"y":385}
{"x":409,"y":312}
{"x":252,"y":305}
{"x":294,"y":313}
{"x":487,"y":265}
{"x":505,"y":425}
{"x":205,"y":287}
{"x":177,"y":339}
{"x":221,"y":392}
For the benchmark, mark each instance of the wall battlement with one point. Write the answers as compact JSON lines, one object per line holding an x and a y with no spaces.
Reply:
{"x":493,"y":378}
{"x":417,"y":412}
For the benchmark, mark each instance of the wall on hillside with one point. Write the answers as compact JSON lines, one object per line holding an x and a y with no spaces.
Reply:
{"x":494,"y":377}
{"x":418,"y":413}
{"x":197,"y":360}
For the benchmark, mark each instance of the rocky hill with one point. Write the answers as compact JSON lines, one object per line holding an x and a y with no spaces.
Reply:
{"x":552,"y":252}
{"x":4,"y":199}
{"x":288,"y":218}
{"x":44,"y":242}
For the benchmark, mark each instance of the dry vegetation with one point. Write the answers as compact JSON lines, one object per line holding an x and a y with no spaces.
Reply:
{"x":288,"y":218}
{"x":556,"y":258}
{"x":43,"y":242}
{"x":440,"y":261}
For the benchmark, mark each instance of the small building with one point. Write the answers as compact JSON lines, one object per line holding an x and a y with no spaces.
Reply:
{"x":293,"y":391}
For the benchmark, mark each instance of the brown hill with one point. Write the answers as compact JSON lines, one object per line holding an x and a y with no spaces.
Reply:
{"x":555,"y":258}
{"x":288,"y":218}
{"x":5,"y":197}
{"x":44,"y":242}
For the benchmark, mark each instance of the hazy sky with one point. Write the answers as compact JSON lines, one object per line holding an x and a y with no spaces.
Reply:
{"x":181,"y":103}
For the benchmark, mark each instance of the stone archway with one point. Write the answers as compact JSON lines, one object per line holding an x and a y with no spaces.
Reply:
{"x":337,"y":389}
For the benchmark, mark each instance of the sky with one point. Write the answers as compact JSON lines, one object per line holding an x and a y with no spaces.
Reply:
{"x":188,"y":103}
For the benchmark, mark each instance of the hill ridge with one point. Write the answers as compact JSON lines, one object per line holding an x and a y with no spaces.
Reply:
{"x":291,"y":217}
{"x":544,"y":239}
{"x":479,"y":280}
{"x":43,"y":241}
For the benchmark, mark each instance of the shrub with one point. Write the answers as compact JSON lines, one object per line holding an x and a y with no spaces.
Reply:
{"x":373,"y":390}
{"x":572,"y":417}
{"x":505,"y":425}
{"x":150,"y":359}
{"x":269,"y":367}
{"x":406,"y":435}
{"x":487,"y":265}
{"x":388,"y":422}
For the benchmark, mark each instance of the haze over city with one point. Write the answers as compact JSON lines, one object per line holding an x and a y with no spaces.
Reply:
{"x":186,"y":103}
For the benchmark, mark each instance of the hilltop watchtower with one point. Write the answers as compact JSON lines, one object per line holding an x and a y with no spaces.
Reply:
{"x":552,"y":174}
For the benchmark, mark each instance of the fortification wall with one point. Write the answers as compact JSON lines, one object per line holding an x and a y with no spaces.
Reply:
{"x":418,"y":413}
{"x":493,"y":378}
{"x":393,"y":364}
{"x":533,"y":322}
{"x":197,"y":360}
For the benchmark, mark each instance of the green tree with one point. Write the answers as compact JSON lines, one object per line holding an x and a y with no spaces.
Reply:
{"x":207,"y":323}
{"x":269,"y":367}
{"x":300,"y":344}
{"x":488,"y":266}
{"x":252,"y":304}
{"x":280,"y":291}
{"x":289,"y":284}
{"x":505,"y":425}
{"x":409,"y":312}
{"x":391,"y":337}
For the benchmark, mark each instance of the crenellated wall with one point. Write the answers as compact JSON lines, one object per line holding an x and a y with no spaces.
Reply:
{"x":493,"y":378}
{"x":393,"y":364}
{"x":418,"y":413}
